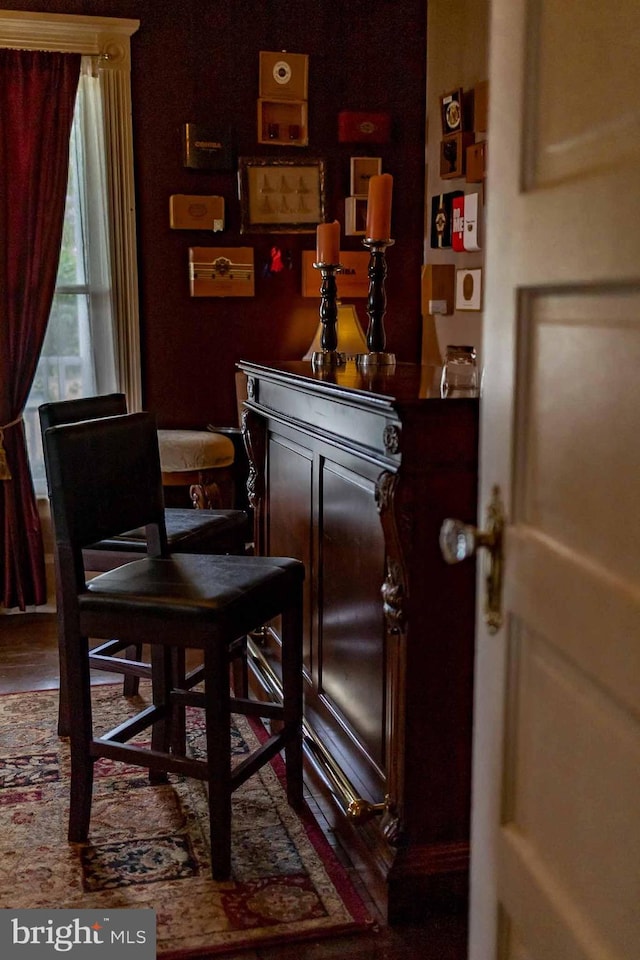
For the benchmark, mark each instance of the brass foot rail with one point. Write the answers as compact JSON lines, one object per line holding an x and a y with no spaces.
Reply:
{"x":354,"y":807}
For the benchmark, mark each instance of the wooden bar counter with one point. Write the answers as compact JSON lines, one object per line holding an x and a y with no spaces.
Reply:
{"x":353,"y":472}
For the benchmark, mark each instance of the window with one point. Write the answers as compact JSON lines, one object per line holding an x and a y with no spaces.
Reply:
{"x":68,"y":367}
{"x":78,"y":354}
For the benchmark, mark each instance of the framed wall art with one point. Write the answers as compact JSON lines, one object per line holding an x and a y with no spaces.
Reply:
{"x":469,"y":289}
{"x":281,"y":195}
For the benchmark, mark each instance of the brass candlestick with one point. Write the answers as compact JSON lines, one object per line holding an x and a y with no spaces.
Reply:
{"x":329,"y":356}
{"x":376,"y":307}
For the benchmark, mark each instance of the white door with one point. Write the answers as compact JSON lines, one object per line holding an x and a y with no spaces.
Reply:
{"x":556,"y":803}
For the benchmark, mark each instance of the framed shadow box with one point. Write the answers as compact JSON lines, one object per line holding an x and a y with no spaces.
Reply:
{"x":362,"y":169}
{"x":469,"y":289}
{"x":451,"y":111}
{"x":281,"y":195}
{"x":453,"y":155}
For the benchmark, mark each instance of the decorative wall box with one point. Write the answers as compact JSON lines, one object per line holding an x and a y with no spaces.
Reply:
{"x":441,"y":215}
{"x":283,"y":122}
{"x":221,"y":271}
{"x":362,"y":169}
{"x":453,"y":149}
{"x":481,"y":107}
{"x":196,"y":212}
{"x":476,"y":166}
{"x":457,"y":223}
{"x":353,"y":282}
{"x":355,"y":216}
{"x":469,"y":289}
{"x":438,"y":288}
{"x":356,"y":127}
{"x":471,"y":223}
{"x":452,"y":112}
{"x":205,"y":148}
{"x":283,"y":76}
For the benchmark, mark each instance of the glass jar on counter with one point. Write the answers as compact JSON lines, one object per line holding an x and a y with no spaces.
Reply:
{"x":459,"y":372}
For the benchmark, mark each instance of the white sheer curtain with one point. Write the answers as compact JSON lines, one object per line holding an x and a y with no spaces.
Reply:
{"x":93,"y":204}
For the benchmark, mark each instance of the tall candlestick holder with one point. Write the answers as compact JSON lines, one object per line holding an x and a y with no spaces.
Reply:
{"x":376,"y":307}
{"x":329,"y":356}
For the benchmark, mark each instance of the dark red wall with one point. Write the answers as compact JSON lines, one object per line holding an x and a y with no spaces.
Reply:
{"x":197,"y":61}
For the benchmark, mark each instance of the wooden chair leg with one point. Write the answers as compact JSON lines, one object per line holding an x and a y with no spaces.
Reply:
{"x":63,"y":693}
{"x":217,"y":714}
{"x":161,"y":683}
{"x":80,"y":736}
{"x":63,"y":701}
{"x":131,"y":684}
{"x":240,"y":671}
{"x":178,"y":715}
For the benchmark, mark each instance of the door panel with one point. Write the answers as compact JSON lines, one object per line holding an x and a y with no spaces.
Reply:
{"x":581,"y":352}
{"x":351,"y":633}
{"x":557,"y":787}
{"x":583,"y":104}
{"x":556,"y":770}
{"x":290,"y":486}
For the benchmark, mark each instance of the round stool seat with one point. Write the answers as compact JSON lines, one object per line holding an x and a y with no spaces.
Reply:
{"x":199,"y":459}
{"x":182,"y":450}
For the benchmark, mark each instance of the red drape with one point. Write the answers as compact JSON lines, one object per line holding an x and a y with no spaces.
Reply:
{"x":37,"y":96}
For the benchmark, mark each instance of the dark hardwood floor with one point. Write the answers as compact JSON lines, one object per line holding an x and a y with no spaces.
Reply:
{"x":29,"y":661}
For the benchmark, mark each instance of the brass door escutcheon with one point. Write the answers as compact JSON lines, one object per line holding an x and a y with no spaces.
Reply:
{"x":459,"y":540}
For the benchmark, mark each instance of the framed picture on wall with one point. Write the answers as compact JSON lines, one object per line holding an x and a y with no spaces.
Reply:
{"x":469,"y":289}
{"x":281,"y":195}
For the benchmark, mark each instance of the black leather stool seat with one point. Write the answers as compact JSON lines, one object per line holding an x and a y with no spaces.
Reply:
{"x":188,"y":531}
{"x":209,"y":589}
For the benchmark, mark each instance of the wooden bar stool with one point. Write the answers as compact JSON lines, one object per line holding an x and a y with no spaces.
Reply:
{"x":173,"y":603}
{"x":200,"y":460}
{"x":188,"y":531}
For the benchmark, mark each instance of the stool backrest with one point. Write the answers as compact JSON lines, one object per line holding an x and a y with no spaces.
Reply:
{"x":55,"y":412}
{"x":83,"y":408}
{"x":104,"y":479}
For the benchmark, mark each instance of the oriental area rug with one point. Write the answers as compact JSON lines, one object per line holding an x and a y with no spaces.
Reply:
{"x":149,"y":846}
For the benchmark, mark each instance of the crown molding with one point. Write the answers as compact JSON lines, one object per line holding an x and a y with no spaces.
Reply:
{"x":66,"y":33}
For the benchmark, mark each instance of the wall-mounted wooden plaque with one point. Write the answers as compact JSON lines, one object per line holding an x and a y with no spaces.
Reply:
{"x":205,"y":148}
{"x":221,"y":272}
{"x":352,"y":282}
{"x":194,"y":212}
{"x":453,"y":154}
{"x":283,"y":76}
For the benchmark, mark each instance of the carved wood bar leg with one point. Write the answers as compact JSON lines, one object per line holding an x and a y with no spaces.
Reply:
{"x":394,"y":593}
{"x":254,"y":432}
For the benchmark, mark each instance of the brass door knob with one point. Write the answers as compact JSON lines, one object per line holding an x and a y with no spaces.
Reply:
{"x":459,"y":541}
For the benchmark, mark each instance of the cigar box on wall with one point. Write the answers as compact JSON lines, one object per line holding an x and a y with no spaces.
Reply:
{"x":196,"y":212}
{"x":221,"y":272}
{"x":363,"y":127}
{"x":207,"y":148}
{"x":283,"y":76}
{"x":453,"y":154}
{"x":353,"y":281}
